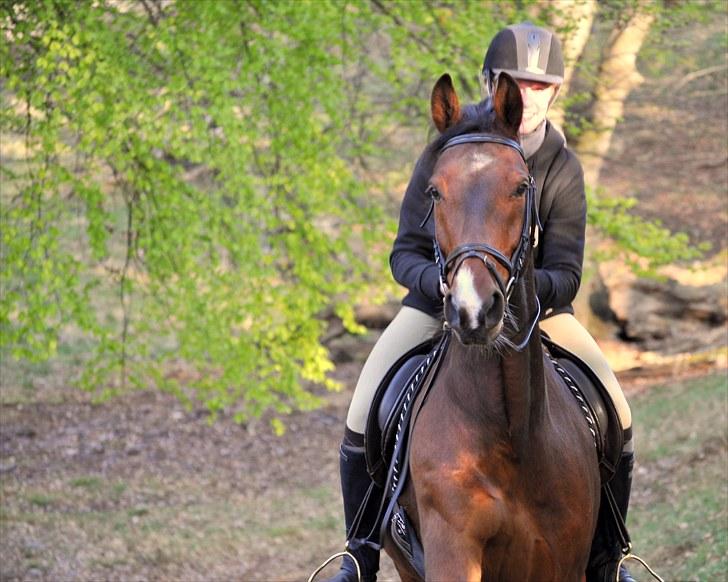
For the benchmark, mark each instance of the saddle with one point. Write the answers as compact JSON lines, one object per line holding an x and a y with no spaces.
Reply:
{"x":399,"y":387}
{"x":403,"y":382}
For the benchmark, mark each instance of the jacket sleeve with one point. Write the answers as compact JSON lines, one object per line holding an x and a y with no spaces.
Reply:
{"x":558,"y":275}
{"x":413,"y":259}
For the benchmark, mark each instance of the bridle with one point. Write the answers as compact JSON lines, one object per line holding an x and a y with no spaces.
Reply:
{"x":513,"y":264}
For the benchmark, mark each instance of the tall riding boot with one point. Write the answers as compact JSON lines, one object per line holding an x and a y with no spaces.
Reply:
{"x":355,"y":482}
{"x":606,"y":548}
{"x":621,"y":487}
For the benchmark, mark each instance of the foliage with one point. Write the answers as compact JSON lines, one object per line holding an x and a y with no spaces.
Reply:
{"x":200,"y":182}
{"x":193,"y":196}
{"x":642,"y":244}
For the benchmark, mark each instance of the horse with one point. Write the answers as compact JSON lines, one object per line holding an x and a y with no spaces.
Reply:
{"x":503,"y":476}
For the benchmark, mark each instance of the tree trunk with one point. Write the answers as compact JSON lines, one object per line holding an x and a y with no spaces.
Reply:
{"x":572,"y":23}
{"x":618,"y":76}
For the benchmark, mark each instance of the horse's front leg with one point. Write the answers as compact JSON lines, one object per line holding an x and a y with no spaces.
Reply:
{"x":450,"y":553}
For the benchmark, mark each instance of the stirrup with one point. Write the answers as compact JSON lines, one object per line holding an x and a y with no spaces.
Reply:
{"x":630,"y":556}
{"x":340,"y":555}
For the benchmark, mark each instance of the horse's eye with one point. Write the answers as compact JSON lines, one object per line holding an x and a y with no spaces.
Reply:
{"x":433,"y":193}
{"x":522,"y":189}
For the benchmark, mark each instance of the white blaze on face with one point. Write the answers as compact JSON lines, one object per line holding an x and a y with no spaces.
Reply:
{"x":465,"y":295}
{"x":481,"y":160}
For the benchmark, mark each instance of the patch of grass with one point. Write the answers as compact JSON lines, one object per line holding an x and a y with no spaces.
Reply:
{"x":90,"y":482}
{"x":109,"y":563}
{"x":137,"y":511}
{"x":321,"y":494}
{"x":117,"y":490}
{"x":285,"y":531}
{"x":35,"y":565}
{"x":326,"y":523}
{"x":679,"y":520}
{"x":676,"y":418}
{"x":41,"y":500}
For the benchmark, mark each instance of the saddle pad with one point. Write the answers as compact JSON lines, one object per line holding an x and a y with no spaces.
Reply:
{"x":608,"y":430}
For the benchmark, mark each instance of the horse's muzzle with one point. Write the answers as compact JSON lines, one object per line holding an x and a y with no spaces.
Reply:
{"x":475,"y":323}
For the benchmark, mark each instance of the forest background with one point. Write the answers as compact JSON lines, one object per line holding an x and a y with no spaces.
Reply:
{"x":199,"y":198}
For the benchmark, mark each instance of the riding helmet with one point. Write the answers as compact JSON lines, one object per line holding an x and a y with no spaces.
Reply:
{"x":525,"y":51}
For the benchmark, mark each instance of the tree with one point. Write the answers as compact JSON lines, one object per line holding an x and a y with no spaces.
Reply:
{"x":572,"y":20}
{"x":202,"y":183}
{"x":620,"y":29}
{"x":616,"y":78}
{"x":197,"y":187}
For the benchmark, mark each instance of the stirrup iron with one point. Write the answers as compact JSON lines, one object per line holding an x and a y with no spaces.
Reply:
{"x":630,"y":556}
{"x":341,"y":555}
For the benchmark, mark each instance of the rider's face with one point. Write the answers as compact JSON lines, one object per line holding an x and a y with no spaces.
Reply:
{"x":536,"y":100}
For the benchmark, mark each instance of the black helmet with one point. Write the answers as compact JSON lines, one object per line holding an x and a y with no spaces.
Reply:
{"x":525,"y":51}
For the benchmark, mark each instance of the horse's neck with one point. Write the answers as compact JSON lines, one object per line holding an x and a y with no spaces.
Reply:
{"x":524,"y":391}
{"x":524,"y":387}
{"x":515,"y":394}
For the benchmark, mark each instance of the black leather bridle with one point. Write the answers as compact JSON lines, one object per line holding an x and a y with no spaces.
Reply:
{"x":513,"y":265}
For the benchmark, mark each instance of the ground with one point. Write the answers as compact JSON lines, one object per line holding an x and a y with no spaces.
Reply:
{"x":140,"y":488}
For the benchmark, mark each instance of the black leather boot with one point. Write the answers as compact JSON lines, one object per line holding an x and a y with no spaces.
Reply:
{"x":621,"y":488}
{"x":355,"y":482}
{"x":606,"y":547}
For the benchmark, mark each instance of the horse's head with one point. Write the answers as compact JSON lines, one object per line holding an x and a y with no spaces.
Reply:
{"x":483,"y":200}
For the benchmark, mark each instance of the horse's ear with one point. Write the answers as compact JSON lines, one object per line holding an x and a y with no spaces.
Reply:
{"x":507,"y":103}
{"x":444,"y":104}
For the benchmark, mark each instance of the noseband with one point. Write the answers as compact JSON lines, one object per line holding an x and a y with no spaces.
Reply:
{"x":513,"y":265}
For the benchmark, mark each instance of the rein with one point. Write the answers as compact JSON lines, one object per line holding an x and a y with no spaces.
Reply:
{"x":488,"y":254}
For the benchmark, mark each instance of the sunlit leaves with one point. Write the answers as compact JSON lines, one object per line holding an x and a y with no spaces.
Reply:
{"x":196,"y":191}
{"x":642,"y":244}
{"x":191,"y":197}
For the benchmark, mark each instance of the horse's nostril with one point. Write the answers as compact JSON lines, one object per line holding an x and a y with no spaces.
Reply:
{"x":452,"y":314}
{"x":492,"y":313}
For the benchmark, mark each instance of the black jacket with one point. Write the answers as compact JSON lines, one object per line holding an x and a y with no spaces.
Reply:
{"x":562,"y":207}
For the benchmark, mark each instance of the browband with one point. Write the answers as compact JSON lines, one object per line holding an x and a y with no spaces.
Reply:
{"x":484,"y":138}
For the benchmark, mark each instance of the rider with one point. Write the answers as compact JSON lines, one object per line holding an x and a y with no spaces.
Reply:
{"x":532,"y":56}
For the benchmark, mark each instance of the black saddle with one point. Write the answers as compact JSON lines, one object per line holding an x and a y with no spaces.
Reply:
{"x":596,"y":404}
{"x":386,"y":408}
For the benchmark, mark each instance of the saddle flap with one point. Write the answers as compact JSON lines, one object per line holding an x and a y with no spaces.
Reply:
{"x":380,"y":415}
{"x":405,"y":537}
{"x":395,"y":391}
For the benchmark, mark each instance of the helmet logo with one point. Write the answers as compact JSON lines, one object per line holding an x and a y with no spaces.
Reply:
{"x":534,"y":53}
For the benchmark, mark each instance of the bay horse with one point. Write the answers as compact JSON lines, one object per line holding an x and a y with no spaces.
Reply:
{"x":504,"y":481}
